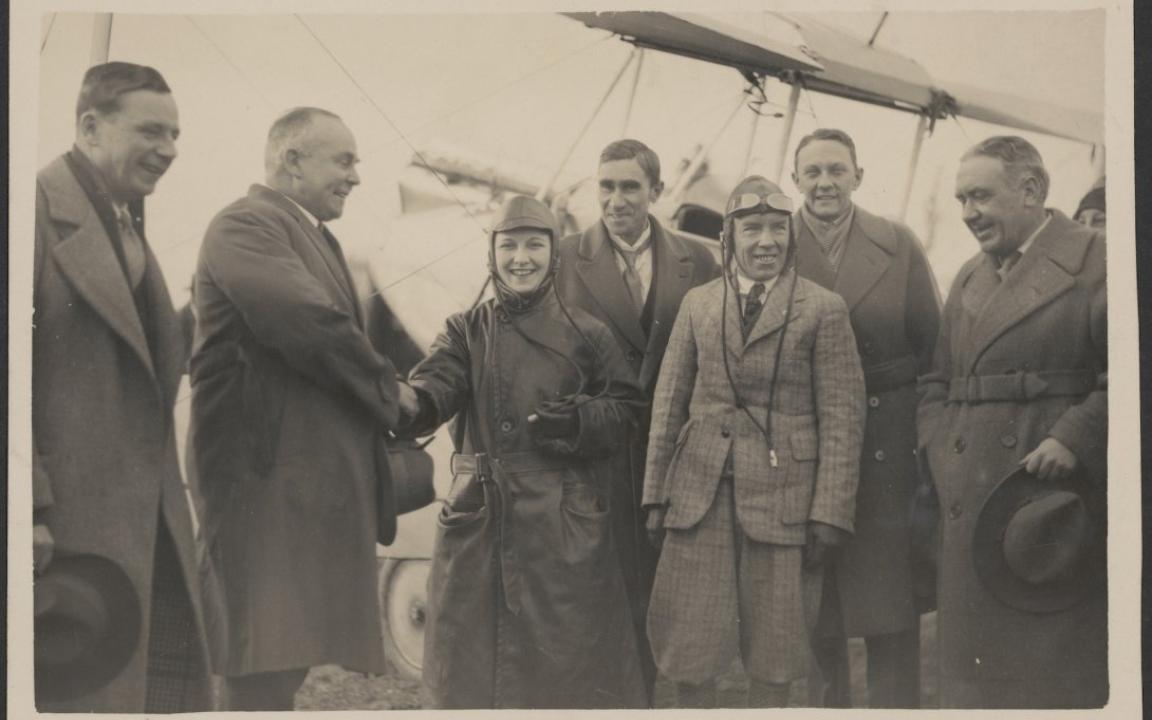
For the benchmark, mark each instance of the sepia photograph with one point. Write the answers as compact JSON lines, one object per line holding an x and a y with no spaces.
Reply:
{"x":571,"y":357}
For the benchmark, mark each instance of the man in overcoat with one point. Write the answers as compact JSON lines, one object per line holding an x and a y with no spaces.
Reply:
{"x":289,"y":406}
{"x":631,"y":273}
{"x":107,"y":356}
{"x":752,"y":461}
{"x":879,"y":268}
{"x":1020,"y":378}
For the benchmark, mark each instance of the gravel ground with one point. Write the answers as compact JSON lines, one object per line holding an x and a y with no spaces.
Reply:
{"x":331,"y":688}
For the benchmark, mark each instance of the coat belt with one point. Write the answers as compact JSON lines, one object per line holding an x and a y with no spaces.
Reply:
{"x":891,"y":375}
{"x":481,"y":464}
{"x":975,"y":389}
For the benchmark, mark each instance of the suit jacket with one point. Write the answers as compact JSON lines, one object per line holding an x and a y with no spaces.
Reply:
{"x":894,"y":307}
{"x":288,"y":409}
{"x":1049,"y":314}
{"x":817,"y":413}
{"x":104,"y":464}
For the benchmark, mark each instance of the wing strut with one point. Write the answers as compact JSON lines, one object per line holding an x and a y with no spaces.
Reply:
{"x":917,"y":144}
{"x":101,"y":39}
{"x":786,"y":132}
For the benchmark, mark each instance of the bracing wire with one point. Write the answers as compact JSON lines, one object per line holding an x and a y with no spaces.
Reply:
{"x":47,"y":33}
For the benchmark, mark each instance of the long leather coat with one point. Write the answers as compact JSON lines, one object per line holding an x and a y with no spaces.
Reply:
{"x":526,"y":603}
{"x":1039,"y":341}
{"x":894,"y":307}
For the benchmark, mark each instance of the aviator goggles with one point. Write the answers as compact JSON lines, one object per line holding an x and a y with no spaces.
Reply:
{"x":748,"y":202}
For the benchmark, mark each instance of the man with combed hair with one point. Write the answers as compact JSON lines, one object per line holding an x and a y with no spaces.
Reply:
{"x":1019,"y":379}
{"x":879,"y":268}
{"x":107,"y":356}
{"x":289,"y":405}
{"x":631,"y":273}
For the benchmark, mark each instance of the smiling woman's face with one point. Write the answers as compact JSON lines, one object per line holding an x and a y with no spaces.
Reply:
{"x":522,"y":257}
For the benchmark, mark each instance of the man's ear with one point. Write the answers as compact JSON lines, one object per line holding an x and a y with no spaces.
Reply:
{"x":1030,"y":186}
{"x":292,"y":158}
{"x":88,"y":127}
{"x":654,"y":192}
{"x":859,"y":177}
{"x":795,"y":179}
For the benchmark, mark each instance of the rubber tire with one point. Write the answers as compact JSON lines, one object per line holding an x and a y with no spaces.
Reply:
{"x":401,"y":588}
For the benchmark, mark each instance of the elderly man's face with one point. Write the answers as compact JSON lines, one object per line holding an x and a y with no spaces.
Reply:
{"x":324,"y":168}
{"x":1093,"y":218}
{"x":760,"y":242}
{"x":827,"y":177}
{"x":994,"y":205}
{"x":625,"y":195}
{"x":132,"y":147}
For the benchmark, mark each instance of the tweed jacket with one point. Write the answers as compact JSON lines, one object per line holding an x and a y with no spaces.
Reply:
{"x":104,"y":382}
{"x":817,"y":413}
{"x":289,"y":406}
{"x":1039,"y":340}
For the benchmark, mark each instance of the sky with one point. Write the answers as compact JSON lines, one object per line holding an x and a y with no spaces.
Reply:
{"x":516,"y":90}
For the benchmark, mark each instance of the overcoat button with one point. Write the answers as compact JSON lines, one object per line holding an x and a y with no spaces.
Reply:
{"x":506,"y":426}
{"x":873,"y":401}
{"x":1008,"y":441}
{"x":960,"y":445}
{"x":955,"y":511}
{"x":880,"y":456}
{"x":725,"y":432}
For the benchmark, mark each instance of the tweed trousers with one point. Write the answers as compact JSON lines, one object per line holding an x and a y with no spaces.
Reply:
{"x":718,"y":593}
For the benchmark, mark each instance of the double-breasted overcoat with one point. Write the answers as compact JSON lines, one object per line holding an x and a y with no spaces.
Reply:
{"x":894,"y":307}
{"x":104,"y":381}
{"x":289,"y":407}
{"x":1016,"y":362}
{"x":526,"y":601}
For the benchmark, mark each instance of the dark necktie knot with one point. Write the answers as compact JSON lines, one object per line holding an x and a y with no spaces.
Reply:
{"x":1007,"y":263}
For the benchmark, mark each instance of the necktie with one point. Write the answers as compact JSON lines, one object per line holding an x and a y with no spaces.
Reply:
{"x":753,"y":304}
{"x":132,"y":245}
{"x":632,"y":278}
{"x":1007,"y":263}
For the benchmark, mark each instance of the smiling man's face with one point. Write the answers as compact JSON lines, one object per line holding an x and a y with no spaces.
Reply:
{"x":995,"y":205}
{"x":324,"y":168}
{"x":133,"y":146}
{"x":827,"y":176}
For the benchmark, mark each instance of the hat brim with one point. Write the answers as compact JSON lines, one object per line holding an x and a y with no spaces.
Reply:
{"x":1073,"y":588}
{"x":108,"y":653}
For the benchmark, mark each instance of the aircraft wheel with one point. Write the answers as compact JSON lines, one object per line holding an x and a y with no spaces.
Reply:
{"x":402,"y":591}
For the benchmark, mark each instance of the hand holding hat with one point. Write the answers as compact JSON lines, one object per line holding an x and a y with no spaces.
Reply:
{"x":1051,"y":460}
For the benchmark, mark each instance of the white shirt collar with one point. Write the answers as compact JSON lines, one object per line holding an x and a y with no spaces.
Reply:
{"x":310,"y":216}
{"x":640,"y":241}
{"x":744,"y":283}
{"x":1035,"y":233}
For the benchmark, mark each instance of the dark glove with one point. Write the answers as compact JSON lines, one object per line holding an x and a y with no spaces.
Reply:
{"x":823,"y":539}
{"x":554,"y":420}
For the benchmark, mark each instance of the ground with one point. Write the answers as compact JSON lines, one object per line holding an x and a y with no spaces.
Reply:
{"x":330,"y":688}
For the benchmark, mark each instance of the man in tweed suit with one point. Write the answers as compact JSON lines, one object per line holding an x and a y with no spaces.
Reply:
{"x":751,"y":501}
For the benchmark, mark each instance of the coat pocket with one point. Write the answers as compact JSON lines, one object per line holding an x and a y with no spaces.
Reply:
{"x":800,"y":477}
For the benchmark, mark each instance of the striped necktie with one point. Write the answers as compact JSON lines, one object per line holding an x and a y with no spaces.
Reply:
{"x":132,"y":244}
{"x":753,"y":304}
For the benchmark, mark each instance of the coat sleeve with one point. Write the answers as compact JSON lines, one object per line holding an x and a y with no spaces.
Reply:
{"x":287,"y":309}
{"x":607,"y":420}
{"x":670,"y":404}
{"x":1083,"y":428}
{"x":838,"y":389}
{"x":443,"y":379}
{"x":41,"y":484}
{"x":933,"y":385}
{"x":922,"y":306}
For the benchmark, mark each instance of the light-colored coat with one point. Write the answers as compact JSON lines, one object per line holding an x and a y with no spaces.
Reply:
{"x":288,"y":409}
{"x":105,"y":463}
{"x":894,"y":307}
{"x":1050,"y":314}
{"x":817,"y":414}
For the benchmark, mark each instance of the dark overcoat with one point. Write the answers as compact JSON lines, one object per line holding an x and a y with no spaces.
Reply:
{"x":105,"y":463}
{"x":590,"y":279}
{"x":1038,"y":345}
{"x":526,"y":602}
{"x":895,"y":311}
{"x":288,"y":408}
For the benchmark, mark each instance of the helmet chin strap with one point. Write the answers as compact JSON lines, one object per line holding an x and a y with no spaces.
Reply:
{"x":727,"y":253}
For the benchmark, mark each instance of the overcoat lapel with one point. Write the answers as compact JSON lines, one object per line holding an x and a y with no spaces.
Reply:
{"x":597,"y":269}
{"x":87,"y":259}
{"x":867,"y":254}
{"x":168,"y":351}
{"x":673,"y":271}
{"x":1044,"y":273}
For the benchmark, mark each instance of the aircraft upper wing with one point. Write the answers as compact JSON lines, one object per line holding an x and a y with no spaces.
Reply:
{"x":702,"y":38}
{"x":1002,"y":109}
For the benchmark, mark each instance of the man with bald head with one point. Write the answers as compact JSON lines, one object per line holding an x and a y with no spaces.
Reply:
{"x":289,"y":406}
